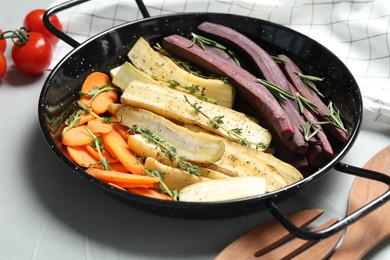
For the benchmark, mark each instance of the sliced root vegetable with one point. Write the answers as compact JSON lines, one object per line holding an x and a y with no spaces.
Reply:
{"x":194,"y":147}
{"x":117,"y":186}
{"x":120,"y":177}
{"x":212,"y":174}
{"x":174,"y":178}
{"x":81,"y":156}
{"x":142,"y":148}
{"x":97,"y":126}
{"x":147,"y":59}
{"x":85,"y":118}
{"x":121,"y":129}
{"x":224,"y":189}
{"x":149,"y":193}
{"x":103,"y":100}
{"x":93,"y":81}
{"x":76,"y":136}
{"x":118,"y":167}
{"x":119,"y":148}
{"x":95,"y":154}
{"x":127,"y":185}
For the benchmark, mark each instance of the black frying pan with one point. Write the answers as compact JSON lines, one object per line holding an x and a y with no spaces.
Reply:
{"x":109,"y":49}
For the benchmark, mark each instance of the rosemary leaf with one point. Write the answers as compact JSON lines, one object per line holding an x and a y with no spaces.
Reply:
{"x":309,"y":81}
{"x":280,"y":94}
{"x":304,"y":102}
{"x":202,"y":41}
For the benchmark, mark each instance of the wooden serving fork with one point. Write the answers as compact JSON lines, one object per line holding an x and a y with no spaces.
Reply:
{"x":272,"y":241}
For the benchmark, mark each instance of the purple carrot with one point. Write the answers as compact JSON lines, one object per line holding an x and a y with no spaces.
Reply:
{"x":291,"y":70}
{"x":321,"y":137}
{"x":246,"y":84}
{"x":265,"y":63}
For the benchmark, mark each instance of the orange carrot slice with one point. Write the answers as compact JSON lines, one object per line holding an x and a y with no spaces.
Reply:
{"x":76,"y":136}
{"x":101,"y":102}
{"x":95,"y":154}
{"x":84,"y":118}
{"x":81,"y":156}
{"x":149,"y":193}
{"x":119,"y":148}
{"x":124,"y":178}
{"x":94,"y":80}
{"x":116,"y":186}
{"x":118,"y":167}
{"x":122,"y":130}
{"x":97,"y":126}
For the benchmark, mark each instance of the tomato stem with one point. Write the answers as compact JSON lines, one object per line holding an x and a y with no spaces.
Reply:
{"x":19,"y":37}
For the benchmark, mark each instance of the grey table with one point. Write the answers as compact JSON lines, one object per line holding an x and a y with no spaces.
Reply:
{"x":46,"y":213}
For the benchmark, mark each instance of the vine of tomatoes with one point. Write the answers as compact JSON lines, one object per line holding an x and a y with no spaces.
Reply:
{"x":32,"y":48}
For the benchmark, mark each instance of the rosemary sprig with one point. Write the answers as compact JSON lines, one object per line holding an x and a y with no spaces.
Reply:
{"x":98,"y":144}
{"x":278,"y":60}
{"x":168,"y":150}
{"x":307,"y":130}
{"x":187,"y":66}
{"x":194,"y":90}
{"x":174,"y":194}
{"x":94,"y":92}
{"x":217,"y":123}
{"x":280,"y":94}
{"x":309,"y":81}
{"x":304,"y":102}
{"x":202,"y":41}
{"x":335,"y":117}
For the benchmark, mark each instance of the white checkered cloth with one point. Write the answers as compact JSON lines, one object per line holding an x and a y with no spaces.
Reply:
{"x":357,"y":31}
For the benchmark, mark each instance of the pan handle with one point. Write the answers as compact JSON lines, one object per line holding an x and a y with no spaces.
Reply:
{"x":66,"y":38}
{"x":354,"y":216}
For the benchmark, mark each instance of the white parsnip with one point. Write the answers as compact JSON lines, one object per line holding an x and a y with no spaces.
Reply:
{"x":225,"y":189}
{"x":175,"y":105}
{"x":174,"y":178}
{"x":195,"y":147}
{"x":146,"y":59}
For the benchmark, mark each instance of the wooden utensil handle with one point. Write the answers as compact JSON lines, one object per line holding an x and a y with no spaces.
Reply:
{"x":349,"y":219}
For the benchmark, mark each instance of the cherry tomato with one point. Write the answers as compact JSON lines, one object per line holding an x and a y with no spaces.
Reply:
{"x":33,"y":23}
{"x":3,"y":65}
{"x":3,"y":43}
{"x":35,"y":55}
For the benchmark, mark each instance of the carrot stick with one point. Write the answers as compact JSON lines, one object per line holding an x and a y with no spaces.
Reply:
{"x":95,"y":154}
{"x":81,"y":156}
{"x":127,"y":185}
{"x":76,"y":136}
{"x":119,"y":148}
{"x":149,"y":193}
{"x":120,"y":177}
{"x":97,"y":126}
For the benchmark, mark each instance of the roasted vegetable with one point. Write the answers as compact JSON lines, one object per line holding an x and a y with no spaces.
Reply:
{"x":174,"y":178}
{"x":173,"y":104}
{"x":195,"y":147}
{"x":226,"y":189}
{"x":146,"y":59}
{"x":126,"y":73}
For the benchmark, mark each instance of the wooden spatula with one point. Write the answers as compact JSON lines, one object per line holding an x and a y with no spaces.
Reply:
{"x":272,"y":241}
{"x":372,"y":229}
